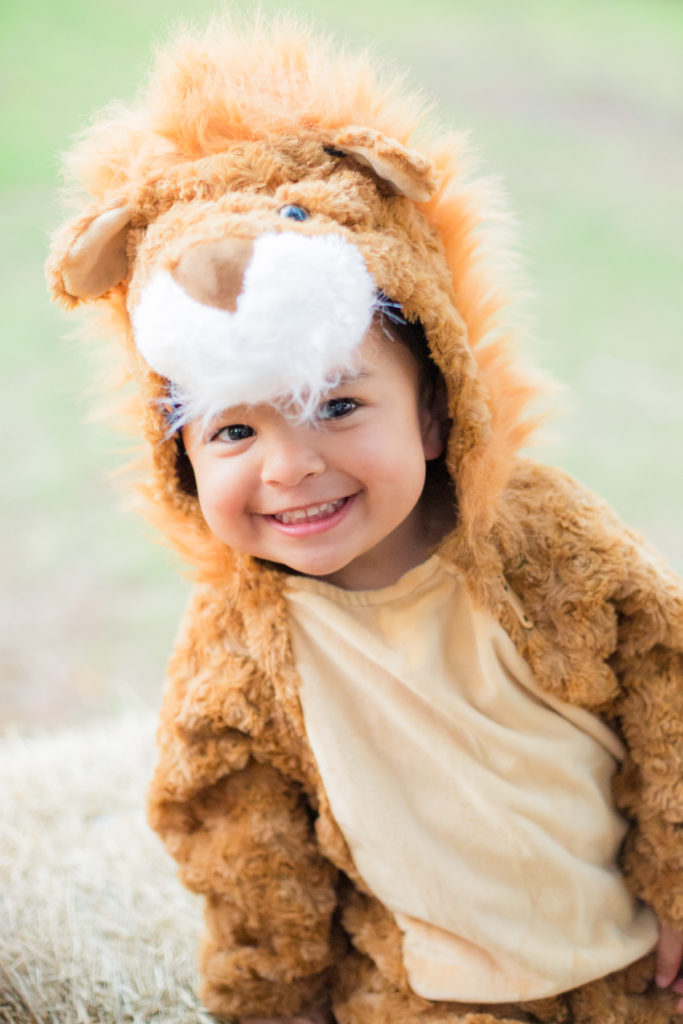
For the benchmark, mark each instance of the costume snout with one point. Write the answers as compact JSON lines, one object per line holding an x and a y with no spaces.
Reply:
{"x":213,"y":273}
{"x":239,"y":321}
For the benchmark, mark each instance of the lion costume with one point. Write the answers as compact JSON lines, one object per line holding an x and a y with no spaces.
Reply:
{"x":243,"y":146}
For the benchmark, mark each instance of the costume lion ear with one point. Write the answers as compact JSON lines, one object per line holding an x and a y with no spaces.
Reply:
{"x":90,"y":257}
{"x":405,"y":171}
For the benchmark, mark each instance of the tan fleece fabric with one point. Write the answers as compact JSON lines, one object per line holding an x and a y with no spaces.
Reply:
{"x":475,"y":808}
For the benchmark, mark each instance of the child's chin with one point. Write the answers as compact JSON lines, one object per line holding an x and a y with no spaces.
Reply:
{"x":318,"y":570}
{"x":303,"y":567}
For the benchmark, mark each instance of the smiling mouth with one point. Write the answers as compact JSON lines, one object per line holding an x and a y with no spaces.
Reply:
{"x":309,"y":514}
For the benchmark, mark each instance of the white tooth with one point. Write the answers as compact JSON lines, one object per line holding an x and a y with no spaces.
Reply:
{"x":297,"y":514}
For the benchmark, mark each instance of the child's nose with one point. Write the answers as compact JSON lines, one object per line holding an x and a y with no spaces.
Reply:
{"x":289,"y":461}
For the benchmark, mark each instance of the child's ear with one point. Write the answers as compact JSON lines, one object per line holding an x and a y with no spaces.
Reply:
{"x":405,"y":171}
{"x":435,"y":422}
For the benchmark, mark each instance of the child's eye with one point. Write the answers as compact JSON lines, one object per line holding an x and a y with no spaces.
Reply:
{"x":335,"y":408}
{"x":233,"y":433}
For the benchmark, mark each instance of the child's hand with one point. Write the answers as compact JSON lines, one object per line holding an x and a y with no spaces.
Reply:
{"x":669,"y":957}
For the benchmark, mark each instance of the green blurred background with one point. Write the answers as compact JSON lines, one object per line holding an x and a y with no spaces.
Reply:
{"x":577,"y":107}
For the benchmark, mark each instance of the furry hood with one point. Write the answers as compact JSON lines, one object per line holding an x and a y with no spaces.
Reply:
{"x":235,"y":130}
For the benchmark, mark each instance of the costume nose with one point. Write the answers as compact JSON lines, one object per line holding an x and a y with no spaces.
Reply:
{"x":290,"y":460}
{"x":213,"y":273}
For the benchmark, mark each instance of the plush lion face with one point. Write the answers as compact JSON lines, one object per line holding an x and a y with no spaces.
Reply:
{"x":252,"y":275}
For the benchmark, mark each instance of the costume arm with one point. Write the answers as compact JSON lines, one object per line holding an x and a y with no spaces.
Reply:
{"x":649,"y":664}
{"x":609,"y":637}
{"x":242,"y":834}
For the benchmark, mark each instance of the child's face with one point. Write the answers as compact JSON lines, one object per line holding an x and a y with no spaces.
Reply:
{"x":338,"y":499}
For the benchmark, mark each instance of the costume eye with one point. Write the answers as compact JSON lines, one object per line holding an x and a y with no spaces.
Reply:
{"x":293,"y":212}
{"x":335,"y":408}
{"x":233,"y":433}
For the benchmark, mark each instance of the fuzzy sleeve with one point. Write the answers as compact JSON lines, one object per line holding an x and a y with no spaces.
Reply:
{"x":608,"y":615}
{"x":649,"y":789}
{"x":241,"y":832}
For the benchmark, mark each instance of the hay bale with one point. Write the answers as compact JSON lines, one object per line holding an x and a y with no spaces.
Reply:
{"x":94,"y":926}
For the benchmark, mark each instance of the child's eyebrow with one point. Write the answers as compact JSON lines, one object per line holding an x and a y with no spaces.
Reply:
{"x":351,"y":378}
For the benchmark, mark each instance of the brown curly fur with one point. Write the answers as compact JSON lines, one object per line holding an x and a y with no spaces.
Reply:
{"x":232,"y":128}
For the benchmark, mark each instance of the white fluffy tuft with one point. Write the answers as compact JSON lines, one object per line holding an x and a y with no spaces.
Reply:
{"x":305,"y":306}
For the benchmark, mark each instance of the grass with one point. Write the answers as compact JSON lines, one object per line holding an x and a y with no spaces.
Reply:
{"x":577,"y":106}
